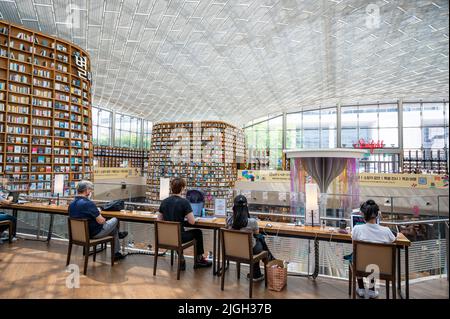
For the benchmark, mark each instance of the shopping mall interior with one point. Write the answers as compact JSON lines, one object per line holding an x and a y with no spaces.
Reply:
{"x":297,"y":125}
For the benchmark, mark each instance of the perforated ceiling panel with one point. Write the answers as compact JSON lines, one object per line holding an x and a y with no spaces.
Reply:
{"x":239,"y":60}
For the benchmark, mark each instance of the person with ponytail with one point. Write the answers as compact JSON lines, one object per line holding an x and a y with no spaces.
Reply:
{"x":241,"y":220}
{"x":372,"y":232}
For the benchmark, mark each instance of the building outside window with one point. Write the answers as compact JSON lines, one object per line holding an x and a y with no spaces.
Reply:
{"x":424,"y":131}
{"x":127,"y":131}
{"x":101,"y":126}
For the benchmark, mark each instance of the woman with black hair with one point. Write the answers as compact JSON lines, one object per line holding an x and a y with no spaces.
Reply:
{"x":241,"y":220}
{"x":371,"y":231}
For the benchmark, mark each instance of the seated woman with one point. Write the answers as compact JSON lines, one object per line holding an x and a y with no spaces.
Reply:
{"x":371,"y":231}
{"x":241,"y":220}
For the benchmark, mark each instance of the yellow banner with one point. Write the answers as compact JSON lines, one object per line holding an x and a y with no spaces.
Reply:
{"x":420,"y":181}
{"x":115,"y":172}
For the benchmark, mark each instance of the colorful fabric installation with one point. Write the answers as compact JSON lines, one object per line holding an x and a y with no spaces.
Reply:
{"x":334,"y":176}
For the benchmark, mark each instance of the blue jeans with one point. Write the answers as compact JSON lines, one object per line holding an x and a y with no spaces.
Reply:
{"x":4,"y":217}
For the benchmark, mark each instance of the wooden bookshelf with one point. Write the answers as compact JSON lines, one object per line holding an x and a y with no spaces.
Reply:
{"x":215,"y":177}
{"x":45,"y":111}
{"x":107,"y":156}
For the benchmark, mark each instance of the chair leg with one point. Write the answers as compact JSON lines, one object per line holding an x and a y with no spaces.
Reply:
{"x":350,"y":276}
{"x":222,"y":279}
{"x":250,"y":287}
{"x":353,"y":286}
{"x":112,"y":252}
{"x":171,"y":257}
{"x":394,"y":289}
{"x":95,"y":252}
{"x":155,"y":261}
{"x":69,"y":252}
{"x":387,"y":289}
{"x":86,"y":258}
{"x":180,"y":252}
{"x":265,"y":273}
{"x":10,"y":232}
{"x":238,"y":270}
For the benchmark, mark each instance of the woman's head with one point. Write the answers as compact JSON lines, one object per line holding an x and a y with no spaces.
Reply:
{"x":240,"y":212}
{"x":370,"y":210}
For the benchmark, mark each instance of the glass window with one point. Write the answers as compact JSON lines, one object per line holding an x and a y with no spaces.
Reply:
{"x":95,"y":116}
{"x":101,"y":126}
{"x":349,"y":116}
{"x":388,"y":115}
{"x":411,"y":115}
{"x":311,"y":139}
{"x":349,"y":136}
{"x":294,"y":121}
{"x":328,"y":138}
{"x":433,"y":114}
{"x":328,"y":118}
{"x":389,"y":136}
{"x":412,"y":137}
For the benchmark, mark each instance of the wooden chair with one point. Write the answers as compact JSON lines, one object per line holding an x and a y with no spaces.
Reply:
{"x":79,"y":235}
{"x":381,"y":255}
{"x":10,"y":228}
{"x":237,"y":246}
{"x":168,"y":236}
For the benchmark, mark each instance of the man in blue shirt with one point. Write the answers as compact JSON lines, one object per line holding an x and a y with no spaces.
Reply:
{"x":82,"y":207}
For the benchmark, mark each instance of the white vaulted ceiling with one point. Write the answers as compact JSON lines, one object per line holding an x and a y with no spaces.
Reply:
{"x":238,"y":60}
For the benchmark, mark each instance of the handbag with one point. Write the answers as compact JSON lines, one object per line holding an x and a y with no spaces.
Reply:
{"x":114,"y":205}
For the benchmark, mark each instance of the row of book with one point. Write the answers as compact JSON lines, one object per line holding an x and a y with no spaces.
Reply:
{"x":19,"y":89}
{"x":18,"y":78}
{"x":17,"y":67}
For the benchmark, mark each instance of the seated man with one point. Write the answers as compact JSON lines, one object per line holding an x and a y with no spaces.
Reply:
{"x":3,"y":216}
{"x":82,"y":207}
{"x":175,"y":208}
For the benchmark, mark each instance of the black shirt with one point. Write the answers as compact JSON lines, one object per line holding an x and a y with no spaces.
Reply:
{"x":175,"y":209}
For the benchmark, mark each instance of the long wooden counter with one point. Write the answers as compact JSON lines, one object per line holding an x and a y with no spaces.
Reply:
{"x":315,"y":233}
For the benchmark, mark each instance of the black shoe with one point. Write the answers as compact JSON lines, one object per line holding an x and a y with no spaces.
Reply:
{"x":123,"y":234}
{"x":256,"y":279}
{"x":119,"y":256}
{"x":202,"y":263}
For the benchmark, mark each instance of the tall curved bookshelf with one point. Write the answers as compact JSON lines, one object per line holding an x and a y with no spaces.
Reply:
{"x":45,"y":111}
{"x":216,"y":178}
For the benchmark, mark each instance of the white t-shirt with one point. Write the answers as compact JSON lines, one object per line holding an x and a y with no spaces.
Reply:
{"x":373,"y":233}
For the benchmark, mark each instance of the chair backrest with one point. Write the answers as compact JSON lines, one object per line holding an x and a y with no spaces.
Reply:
{"x":168,"y":233}
{"x":78,"y":230}
{"x":237,"y":243}
{"x":381,"y":255}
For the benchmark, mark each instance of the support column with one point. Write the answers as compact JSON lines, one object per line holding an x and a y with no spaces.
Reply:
{"x":338,"y":126}
{"x":400,"y":134}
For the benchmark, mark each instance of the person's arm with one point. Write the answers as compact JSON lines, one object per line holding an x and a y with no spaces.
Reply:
{"x":4,"y":201}
{"x":188,"y":213}
{"x":94,"y":211}
{"x":190,"y":218}
{"x":159,"y":216}
{"x":391,"y":236}
{"x":161,"y":209}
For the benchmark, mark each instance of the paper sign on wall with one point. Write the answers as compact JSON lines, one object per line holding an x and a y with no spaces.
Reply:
{"x":220,"y":206}
{"x":58,"y":184}
{"x":164,"y":188}
{"x":282,"y":196}
{"x":265,"y":196}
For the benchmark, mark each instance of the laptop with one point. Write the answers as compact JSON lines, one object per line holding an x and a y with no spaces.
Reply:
{"x":15,"y":196}
{"x":358,"y":219}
